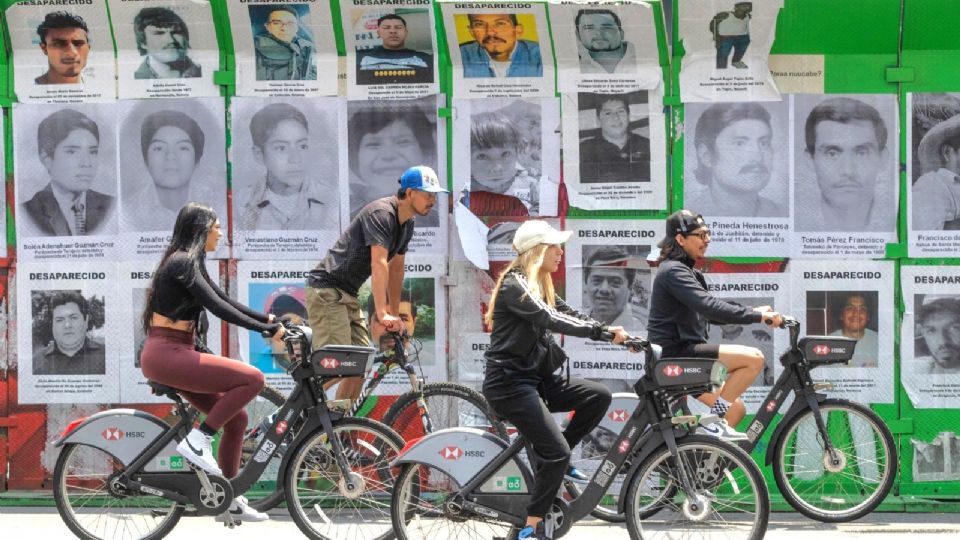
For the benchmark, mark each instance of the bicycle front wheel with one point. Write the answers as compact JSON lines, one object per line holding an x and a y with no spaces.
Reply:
{"x":267,"y":492}
{"x":727,"y":497}
{"x":841,"y":487}
{"x":94,"y":509}
{"x":448,"y":405}
{"x":420,"y":509}
{"x":327,"y":503}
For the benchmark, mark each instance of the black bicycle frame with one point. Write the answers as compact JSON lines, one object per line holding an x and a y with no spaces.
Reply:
{"x":652,"y":411}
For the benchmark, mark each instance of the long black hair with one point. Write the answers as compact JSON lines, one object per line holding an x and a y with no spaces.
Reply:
{"x":194,"y":222}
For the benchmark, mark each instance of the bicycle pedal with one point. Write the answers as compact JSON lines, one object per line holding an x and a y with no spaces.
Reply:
{"x":707,"y":419}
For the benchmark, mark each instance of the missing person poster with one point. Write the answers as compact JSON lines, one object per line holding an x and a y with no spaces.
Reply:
{"x":727,"y":47}
{"x":384,"y":139}
{"x":468,"y":335}
{"x":135,"y":280}
{"x":846,"y":179}
{"x":390,"y":49}
{"x":276,"y":288}
{"x":614,"y":150}
{"x":736,"y":173}
{"x":753,"y":290}
{"x":423,"y":311}
{"x":852,"y":299}
{"x":930,"y":336}
{"x":499,"y":49}
{"x":69,"y":338}
{"x":504,"y":141}
{"x":284,"y":49}
{"x":171,"y":153}
{"x":62,"y":55}
{"x":609,"y":280}
{"x":165,"y":48}
{"x":607,"y":47}
{"x":65,"y":181}
{"x":286,"y":198}
{"x":933,"y":206}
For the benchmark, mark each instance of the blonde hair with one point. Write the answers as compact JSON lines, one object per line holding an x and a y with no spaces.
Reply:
{"x":541,"y":283}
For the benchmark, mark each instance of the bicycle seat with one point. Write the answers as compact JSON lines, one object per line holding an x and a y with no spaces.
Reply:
{"x":158,"y":389}
{"x":827,"y":349}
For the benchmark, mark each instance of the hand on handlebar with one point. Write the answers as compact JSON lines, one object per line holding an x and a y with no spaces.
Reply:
{"x":278,"y":335}
{"x":619,"y":334}
{"x":772,"y":318}
{"x":391,"y":322}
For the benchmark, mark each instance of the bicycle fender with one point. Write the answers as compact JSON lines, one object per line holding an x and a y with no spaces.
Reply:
{"x":123,"y":433}
{"x":463,"y":452}
{"x":654,"y":443}
{"x":797,"y":407}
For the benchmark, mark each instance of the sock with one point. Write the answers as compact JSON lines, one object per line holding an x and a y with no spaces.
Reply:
{"x":720,"y":407}
{"x":207,"y":430}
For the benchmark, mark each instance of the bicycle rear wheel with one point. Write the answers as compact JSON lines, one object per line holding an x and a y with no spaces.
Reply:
{"x":96,"y":510}
{"x":449,"y":405}
{"x":420,"y":511}
{"x":267,"y":492}
{"x":318,"y":496}
{"x":728,"y":497}
{"x":844,"y":489}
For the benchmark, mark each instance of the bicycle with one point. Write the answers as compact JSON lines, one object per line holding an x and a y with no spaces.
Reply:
{"x":820,"y":443}
{"x":119,"y":474}
{"x":423,"y":409}
{"x":465,"y":483}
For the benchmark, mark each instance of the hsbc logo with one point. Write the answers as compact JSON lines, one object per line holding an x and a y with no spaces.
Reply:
{"x":281,"y":427}
{"x":672,"y":370}
{"x":451,"y":452}
{"x":618,"y":415}
{"x":330,"y":363}
{"x":112,"y":434}
{"x":624,"y":446}
{"x":771,"y":405}
{"x":821,"y":350}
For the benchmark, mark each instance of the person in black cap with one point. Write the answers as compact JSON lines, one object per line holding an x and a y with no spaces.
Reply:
{"x":681,"y":308}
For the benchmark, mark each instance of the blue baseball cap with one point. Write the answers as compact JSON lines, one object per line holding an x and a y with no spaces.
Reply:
{"x":422,"y":178}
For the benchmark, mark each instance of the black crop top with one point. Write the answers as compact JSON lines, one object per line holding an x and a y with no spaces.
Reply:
{"x":181,"y":299}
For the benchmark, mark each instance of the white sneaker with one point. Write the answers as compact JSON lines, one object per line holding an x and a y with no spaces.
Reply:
{"x":721,"y":430}
{"x":197,"y":448}
{"x":239,"y":512}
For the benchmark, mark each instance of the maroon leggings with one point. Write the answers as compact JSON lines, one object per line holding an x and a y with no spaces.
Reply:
{"x":218,"y":386}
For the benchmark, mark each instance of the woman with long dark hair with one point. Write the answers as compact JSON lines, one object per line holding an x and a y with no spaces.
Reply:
{"x":218,"y":386}
{"x":681,"y":309}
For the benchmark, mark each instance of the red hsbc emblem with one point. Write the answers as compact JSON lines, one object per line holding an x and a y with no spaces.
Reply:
{"x":330,"y":363}
{"x":672,"y":370}
{"x":821,"y":350}
{"x":452,"y":453}
{"x":281,"y":427}
{"x":771,"y":405}
{"x":112,"y":434}
{"x":618,"y":415}
{"x":624,"y":446}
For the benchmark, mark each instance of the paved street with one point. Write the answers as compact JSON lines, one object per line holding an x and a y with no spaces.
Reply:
{"x":23,"y":523}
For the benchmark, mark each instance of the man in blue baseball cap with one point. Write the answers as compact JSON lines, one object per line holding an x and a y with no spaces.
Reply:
{"x":372,"y":246}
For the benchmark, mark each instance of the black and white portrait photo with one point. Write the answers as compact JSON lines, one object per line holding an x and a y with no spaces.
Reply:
{"x":384,"y":139}
{"x":63,"y":52}
{"x":66,"y":170}
{"x":174,"y":156}
{"x":937,"y":335}
{"x":283,"y":43}
{"x":736,"y":159}
{"x":616,"y":285}
{"x":614,"y":138}
{"x":845,"y":159}
{"x":935,"y":194}
{"x":398,"y":50}
{"x":67,"y":333}
{"x":163,"y":40}
{"x":285,"y":175}
{"x":852,"y":314}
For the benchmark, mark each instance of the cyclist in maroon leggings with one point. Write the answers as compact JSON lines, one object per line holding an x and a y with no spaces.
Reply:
{"x":218,"y":386}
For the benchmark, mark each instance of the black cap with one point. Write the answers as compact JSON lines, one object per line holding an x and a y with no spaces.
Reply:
{"x":681,"y":222}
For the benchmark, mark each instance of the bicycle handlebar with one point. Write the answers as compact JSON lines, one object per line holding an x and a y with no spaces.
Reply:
{"x":634,"y":343}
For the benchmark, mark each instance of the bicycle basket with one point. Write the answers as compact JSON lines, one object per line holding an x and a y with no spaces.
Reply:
{"x":682,"y":376}
{"x":341,"y":360}
{"x":827,"y":349}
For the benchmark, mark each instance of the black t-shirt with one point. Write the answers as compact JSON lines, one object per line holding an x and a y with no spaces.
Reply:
{"x":347,"y":264}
